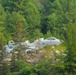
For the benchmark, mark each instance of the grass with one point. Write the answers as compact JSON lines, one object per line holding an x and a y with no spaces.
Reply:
{"x":59,"y":47}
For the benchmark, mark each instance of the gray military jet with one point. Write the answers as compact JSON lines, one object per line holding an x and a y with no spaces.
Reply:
{"x":41,"y":42}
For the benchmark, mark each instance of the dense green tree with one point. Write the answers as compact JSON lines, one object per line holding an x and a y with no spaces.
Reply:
{"x":12,"y":21}
{"x":38,"y":5}
{"x":32,"y":16}
{"x":70,"y":59}
{"x":14,"y":5}
{"x":2,"y":54}
{"x":37,"y":34}
{"x":26,"y":8}
{"x":2,"y":18}
{"x":52,"y":23}
{"x":44,"y":25}
{"x":63,"y":13}
{"x":20,"y":18}
{"x":3,"y":40}
{"x":48,"y":6}
{"x":2,"y":22}
{"x":2,"y":15}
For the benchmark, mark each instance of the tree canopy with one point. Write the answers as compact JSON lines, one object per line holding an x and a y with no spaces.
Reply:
{"x":31,"y":19}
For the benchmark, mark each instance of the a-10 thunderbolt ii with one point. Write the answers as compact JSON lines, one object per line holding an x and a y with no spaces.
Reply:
{"x":41,"y":42}
{"x":36,"y":45}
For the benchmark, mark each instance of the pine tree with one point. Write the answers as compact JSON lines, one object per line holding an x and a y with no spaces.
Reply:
{"x":12,"y":21}
{"x":32,"y":16}
{"x":2,"y":55}
{"x":70,"y":59}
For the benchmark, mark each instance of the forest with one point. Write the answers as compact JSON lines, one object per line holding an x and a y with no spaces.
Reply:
{"x":22,"y":20}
